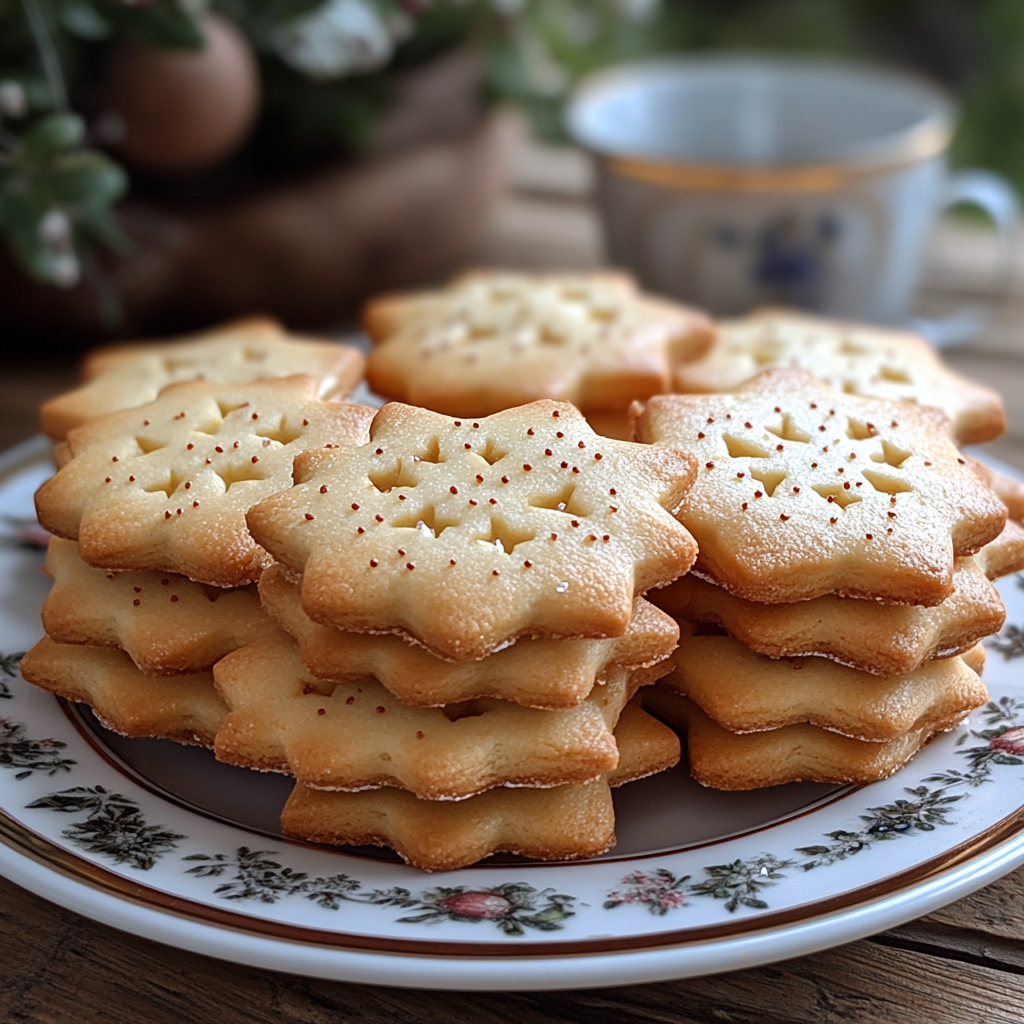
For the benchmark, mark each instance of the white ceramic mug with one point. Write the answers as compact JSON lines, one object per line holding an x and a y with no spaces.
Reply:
{"x":736,"y":181}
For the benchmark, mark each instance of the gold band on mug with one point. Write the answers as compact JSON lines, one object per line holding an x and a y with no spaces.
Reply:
{"x":927,"y":141}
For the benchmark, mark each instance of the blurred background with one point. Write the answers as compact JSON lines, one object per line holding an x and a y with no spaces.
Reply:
{"x":167,"y":164}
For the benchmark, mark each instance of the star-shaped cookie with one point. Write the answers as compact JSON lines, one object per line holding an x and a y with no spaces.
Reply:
{"x":496,"y":339}
{"x":165,"y":622}
{"x":355,"y":735}
{"x":183,"y":708}
{"x":564,"y":823}
{"x":128,"y":375}
{"x":727,"y":760}
{"x":803,"y":491}
{"x":854,"y":358}
{"x":881,"y":639}
{"x":746,"y":692}
{"x":539,"y":673}
{"x":467,"y":534}
{"x":166,"y":486}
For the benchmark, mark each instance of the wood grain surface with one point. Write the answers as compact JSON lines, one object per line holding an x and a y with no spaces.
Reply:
{"x":960,"y":965}
{"x":59,"y":968}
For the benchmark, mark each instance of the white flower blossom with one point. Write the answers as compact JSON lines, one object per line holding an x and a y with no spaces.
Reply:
{"x":55,"y":229}
{"x":343,"y":37}
{"x":12,"y":98}
{"x":66,"y":270}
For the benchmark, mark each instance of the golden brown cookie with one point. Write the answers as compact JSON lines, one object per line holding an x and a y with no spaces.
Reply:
{"x":1005,"y":554}
{"x":876,"y":362}
{"x":166,"y":623}
{"x":467,"y":534}
{"x":746,"y":692}
{"x":882,"y":639}
{"x":355,"y":735}
{"x":565,"y":823}
{"x":798,"y":753}
{"x":537,"y":673}
{"x":165,"y":487}
{"x":804,"y":491}
{"x":611,"y":424}
{"x":184,"y":708}
{"x":128,"y":375}
{"x":1009,"y":491}
{"x":496,"y":339}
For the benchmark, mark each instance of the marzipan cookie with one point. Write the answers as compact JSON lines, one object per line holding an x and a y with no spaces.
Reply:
{"x":798,"y":753}
{"x":166,"y":486}
{"x":355,"y":735}
{"x":166,"y":623}
{"x":466,"y":534}
{"x":184,"y":708}
{"x":854,"y":358}
{"x":494,"y":339}
{"x":746,"y":692}
{"x":537,"y":673}
{"x":804,"y":491}
{"x":128,"y":375}
{"x":564,"y":823}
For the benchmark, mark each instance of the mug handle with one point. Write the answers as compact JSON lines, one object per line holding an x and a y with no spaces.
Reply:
{"x":995,"y":196}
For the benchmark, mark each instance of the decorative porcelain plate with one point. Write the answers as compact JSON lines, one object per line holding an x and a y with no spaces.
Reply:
{"x":162,"y":841}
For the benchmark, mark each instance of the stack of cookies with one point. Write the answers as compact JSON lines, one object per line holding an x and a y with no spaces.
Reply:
{"x":494,"y":339}
{"x":846,"y":549}
{"x":154,"y":570}
{"x":465,"y":634}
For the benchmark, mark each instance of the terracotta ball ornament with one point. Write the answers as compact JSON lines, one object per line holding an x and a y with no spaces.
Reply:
{"x":181,"y":110}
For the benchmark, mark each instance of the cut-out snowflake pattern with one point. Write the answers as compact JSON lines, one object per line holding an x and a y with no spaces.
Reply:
{"x":494,"y":339}
{"x":804,"y":491}
{"x":538,"y":524}
{"x":166,"y":486}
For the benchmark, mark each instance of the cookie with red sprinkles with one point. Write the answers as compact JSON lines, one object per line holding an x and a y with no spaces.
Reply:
{"x":859,"y":359}
{"x":804,"y":490}
{"x":469,"y":533}
{"x":166,"y":486}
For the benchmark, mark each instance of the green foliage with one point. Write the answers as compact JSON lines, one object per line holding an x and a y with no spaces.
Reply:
{"x":56,"y":196}
{"x":56,"y":193}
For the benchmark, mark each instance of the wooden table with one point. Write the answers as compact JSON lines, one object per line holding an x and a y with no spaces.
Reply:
{"x":964,"y":963}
